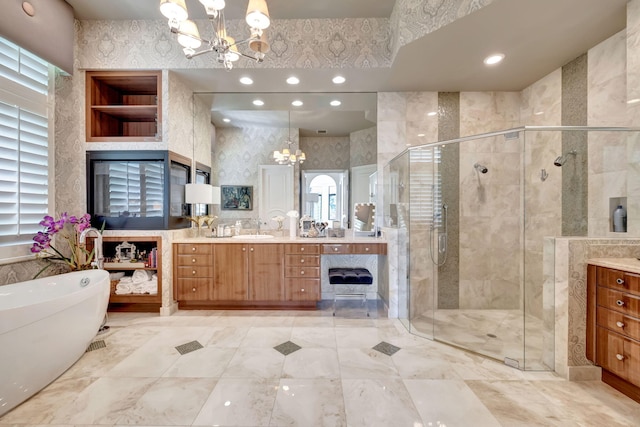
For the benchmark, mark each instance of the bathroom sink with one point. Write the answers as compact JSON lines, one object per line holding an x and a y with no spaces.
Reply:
{"x":253,"y":236}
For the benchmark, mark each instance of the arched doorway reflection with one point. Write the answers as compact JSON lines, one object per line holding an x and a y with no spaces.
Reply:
{"x":323,"y":196}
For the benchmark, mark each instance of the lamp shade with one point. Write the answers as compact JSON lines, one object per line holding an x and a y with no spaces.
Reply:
{"x":199,"y":193}
{"x":258,"y":14}
{"x":191,"y":36}
{"x":215,"y":192}
{"x":174,"y":9}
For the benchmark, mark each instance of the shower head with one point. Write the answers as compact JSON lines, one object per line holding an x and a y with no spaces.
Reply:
{"x":561,"y":160}
{"x":480,"y":168}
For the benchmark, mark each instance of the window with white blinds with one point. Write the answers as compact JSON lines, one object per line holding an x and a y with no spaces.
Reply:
{"x":24,"y":147}
{"x":426,"y":187}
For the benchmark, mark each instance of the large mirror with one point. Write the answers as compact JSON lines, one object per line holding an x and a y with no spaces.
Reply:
{"x":335,"y":139}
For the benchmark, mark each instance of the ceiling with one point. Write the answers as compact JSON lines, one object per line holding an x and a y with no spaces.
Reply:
{"x":536,"y":36}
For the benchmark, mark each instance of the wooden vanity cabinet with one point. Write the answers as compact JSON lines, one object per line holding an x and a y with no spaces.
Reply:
{"x":302,"y":272}
{"x":613,"y":327}
{"x":265,"y":272}
{"x":193,"y":271}
{"x":229,"y":278}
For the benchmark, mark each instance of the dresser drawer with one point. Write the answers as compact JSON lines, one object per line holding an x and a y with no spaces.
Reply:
{"x":621,"y":302}
{"x":619,"y":355}
{"x":194,"y":260}
{"x":302,"y":260}
{"x":302,"y":289}
{"x":337,"y":248}
{"x":194,"y":271}
{"x":294,"y":248}
{"x":195,"y":248}
{"x":193,"y":289}
{"x":313,"y":272}
{"x":368,"y":248}
{"x":619,"y":323}
{"x":620,"y":280}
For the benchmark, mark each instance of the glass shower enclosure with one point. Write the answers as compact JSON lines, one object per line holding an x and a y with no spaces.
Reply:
{"x":475,"y":218}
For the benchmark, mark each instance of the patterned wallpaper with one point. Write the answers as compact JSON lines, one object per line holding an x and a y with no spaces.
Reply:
{"x":326,"y":152}
{"x":363,"y":147}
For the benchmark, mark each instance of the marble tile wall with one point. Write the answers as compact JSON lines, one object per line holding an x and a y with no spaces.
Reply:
{"x":633,"y":116}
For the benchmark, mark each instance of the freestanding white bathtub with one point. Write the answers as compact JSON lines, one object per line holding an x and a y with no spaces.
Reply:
{"x":45,"y":327}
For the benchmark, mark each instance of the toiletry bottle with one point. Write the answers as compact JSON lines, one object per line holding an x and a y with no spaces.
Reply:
{"x":620,"y":220}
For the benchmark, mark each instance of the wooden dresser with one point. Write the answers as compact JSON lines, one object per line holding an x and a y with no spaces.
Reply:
{"x":613,"y":325}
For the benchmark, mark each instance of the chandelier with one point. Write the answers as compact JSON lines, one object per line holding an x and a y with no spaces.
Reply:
{"x":223,"y":46}
{"x":286,"y":157}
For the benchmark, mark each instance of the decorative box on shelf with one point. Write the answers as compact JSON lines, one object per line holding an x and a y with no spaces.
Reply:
{"x":124,"y":265}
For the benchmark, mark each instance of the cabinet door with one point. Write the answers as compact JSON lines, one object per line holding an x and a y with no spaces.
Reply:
{"x":230,"y":272}
{"x":193,"y":289}
{"x":266,"y":272}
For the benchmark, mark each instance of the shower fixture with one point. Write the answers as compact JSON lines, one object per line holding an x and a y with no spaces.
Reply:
{"x":480,"y":168}
{"x":561,"y":160}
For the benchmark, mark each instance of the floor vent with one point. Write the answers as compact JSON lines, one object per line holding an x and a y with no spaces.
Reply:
{"x":96,"y":345}
{"x":189,"y":347}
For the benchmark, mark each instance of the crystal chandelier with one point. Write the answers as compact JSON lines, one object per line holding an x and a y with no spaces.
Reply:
{"x":223,"y":46}
{"x":286,"y":157}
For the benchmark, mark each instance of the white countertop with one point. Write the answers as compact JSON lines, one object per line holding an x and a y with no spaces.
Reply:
{"x":287,"y":239}
{"x":631,"y":265}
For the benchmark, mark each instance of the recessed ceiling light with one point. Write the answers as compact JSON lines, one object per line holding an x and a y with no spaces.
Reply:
{"x":297,"y":103}
{"x":226,"y":120}
{"x":246,"y":80}
{"x":293,"y":80}
{"x":258,"y":102}
{"x":538,"y":113}
{"x":432,"y":113}
{"x":633,"y":101}
{"x":335,"y":103}
{"x":494,"y":59}
{"x":338,"y":80}
{"x":421,"y":135}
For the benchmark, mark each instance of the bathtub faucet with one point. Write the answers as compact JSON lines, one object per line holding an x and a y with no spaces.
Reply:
{"x":99,"y":258}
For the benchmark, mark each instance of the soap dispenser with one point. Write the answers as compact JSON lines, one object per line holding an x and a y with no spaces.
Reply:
{"x":620,"y":220}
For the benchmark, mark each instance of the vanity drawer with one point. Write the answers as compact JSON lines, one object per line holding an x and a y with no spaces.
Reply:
{"x":621,"y":302}
{"x":194,"y":260}
{"x":195,"y":248}
{"x":368,"y":248}
{"x":301,"y":289}
{"x":313,"y":272}
{"x":193,"y":289}
{"x":335,"y":248}
{"x":302,"y":260}
{"x":620,"y":323}
{"x":292,"y":248}
{"x":194,"y":271}
{"x":618,"y":355}
{"x":616,"y":279}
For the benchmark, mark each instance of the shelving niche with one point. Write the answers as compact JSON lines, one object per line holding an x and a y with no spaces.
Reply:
{"x":123,"y":106}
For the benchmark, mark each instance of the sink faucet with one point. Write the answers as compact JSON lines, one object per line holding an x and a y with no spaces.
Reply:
{"x":99,"y":259}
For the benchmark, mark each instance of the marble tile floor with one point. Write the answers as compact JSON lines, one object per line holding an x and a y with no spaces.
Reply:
{"x":493,"y":333}
{"x":336,"y":378}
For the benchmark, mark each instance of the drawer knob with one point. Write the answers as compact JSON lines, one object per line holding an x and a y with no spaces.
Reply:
{"x":335,"y":249}
{"x":620,"y":303}
{"x":193,"y":272}
{"x":302,"y":290}
{"x":620,"y":281}
{"x":301,"y":249}
{"x":193,"y":249}
{"x":366,"y":249}
{"x":619,"y":356}
{"x":251,"y":249}
{"x":302,"y":272}
{"x":194,"y":289}
{"x":302,"y":261}
{"x":620,"y":324}
{"x":193,"y":260}
{"x":244,"y":249}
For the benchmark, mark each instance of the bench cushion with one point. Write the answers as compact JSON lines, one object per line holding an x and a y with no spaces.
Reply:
{"x":350,"y":276}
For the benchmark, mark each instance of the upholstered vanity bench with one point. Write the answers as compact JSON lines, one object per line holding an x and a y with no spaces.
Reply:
{"x":350,"y":279}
